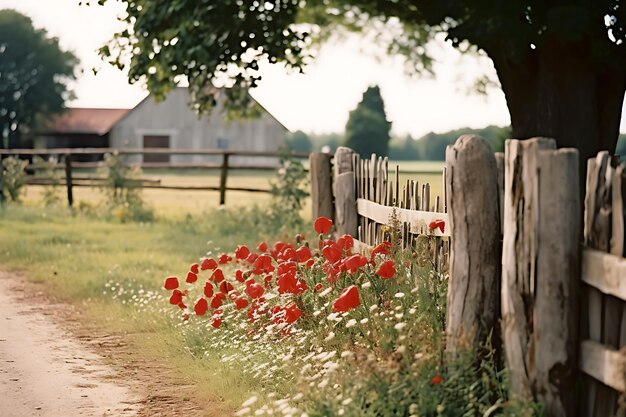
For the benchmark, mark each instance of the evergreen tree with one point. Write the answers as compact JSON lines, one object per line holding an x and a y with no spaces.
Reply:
{"x":367,"y":130}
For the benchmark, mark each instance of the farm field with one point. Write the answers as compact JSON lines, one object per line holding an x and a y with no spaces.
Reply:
{"x":179,"y":203}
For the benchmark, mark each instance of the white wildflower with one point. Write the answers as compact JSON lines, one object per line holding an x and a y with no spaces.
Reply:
{"x":400,"y":326}
{"x":249,"y":401}
{"x":351,"y":323}
{"x":373,"y":307}
{"x":330,"y":337}
{"x":366,"y":284}
{"x":399,"y":295}
{"x":243,"y":411}
{"x":365,"y":320}
{"x":325,"y":292}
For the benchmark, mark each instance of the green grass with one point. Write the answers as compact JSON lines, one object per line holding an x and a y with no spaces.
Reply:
{"x":76,"y":256}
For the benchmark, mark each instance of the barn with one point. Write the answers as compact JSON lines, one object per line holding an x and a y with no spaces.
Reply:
{"x":167,"y":124}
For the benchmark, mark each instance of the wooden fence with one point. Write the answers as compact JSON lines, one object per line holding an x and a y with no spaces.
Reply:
{"x":522,"y":267}
{"x":71,"y":180}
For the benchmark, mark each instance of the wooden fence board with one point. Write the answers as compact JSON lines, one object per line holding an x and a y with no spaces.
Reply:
{"x":604,"y":364}
{"x":416,"y":218}
{"x":604,"y":272}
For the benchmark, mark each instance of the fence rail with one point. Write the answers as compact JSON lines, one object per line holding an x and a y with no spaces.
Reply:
{"x":70,"y":181}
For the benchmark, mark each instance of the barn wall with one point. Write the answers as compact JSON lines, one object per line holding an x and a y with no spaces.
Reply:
{"x":174,"y":118}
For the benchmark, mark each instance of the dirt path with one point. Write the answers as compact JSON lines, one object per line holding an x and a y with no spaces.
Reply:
{"x":48,"y":368}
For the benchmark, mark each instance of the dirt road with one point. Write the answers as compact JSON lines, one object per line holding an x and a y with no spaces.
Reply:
{"x":50,"y":367}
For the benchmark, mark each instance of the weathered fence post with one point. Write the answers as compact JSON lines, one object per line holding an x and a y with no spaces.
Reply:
{"x":68,"y":179}
{"x":473,"y":291}
{"x":500,"y":168}
{"x":541,"y":267}
{"x":223,"y":178}
{"x":321,"y":185}
{"x":345,"y":194}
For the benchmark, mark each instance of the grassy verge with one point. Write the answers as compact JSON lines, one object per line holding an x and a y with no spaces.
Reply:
{"x":87,"y":261}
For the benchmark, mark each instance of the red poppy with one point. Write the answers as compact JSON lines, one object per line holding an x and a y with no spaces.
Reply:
{"x":318,"y":287}
{"x":226,"y":287}
{"x":254,"y":290}
{"x":171,"y":283}
{"x":354,"y":262}
{"x":195,"y":268}
{"x":387,"y":269}
{"x":288,"y":254}
{"x":436,"y":380}
{"x":216,"y":302}
{"x":345,"y":242}
{"x":348,"y":299}
{"x":303,"y":254}
{"x":208,"y":263}
{"x":215,"y":322}
{"x":176,"y":298}
{"x":242,"y":252}
{"x":241,"y":303}
{"x":208,"y":290}
{"x":182,"y":305}
{"x":263,"y":264}
{"x":292,"y":312}
{"x":239,"y":275}
{"x":437,"y":224}
{"x":191,"y":277}
{"x":217,"y":276}
{"x":201,"y":307}
{"x":262,"y":247}
{"x":383,"y":248}
{"x":322,"y":225}
{"x":224,"y":259}
{"x":331,"y":253}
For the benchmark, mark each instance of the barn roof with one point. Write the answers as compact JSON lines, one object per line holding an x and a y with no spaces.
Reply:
{"x":85,"y":120}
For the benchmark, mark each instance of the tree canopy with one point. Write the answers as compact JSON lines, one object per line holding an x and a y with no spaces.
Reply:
{"x":560,"y":63}
{"x":367,"y":130}
{"x":34,"y":76}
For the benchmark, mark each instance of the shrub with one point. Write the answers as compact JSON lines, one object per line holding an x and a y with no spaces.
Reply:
{"x":121,"y":188}
{"x":13,"y":177}
{"x":288,"y":194}
{"x":46,"y":169}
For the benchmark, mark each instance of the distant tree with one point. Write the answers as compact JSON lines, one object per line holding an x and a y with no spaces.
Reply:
{"x":330,"y":140}
{"x":405,"y":149}
{"x":367,"y":130}
{"x":299,"y":141}
{"x":432,"y":146}
{"x":34,"y":76}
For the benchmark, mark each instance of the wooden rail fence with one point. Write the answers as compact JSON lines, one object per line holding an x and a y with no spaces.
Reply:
{"x":70,"y":180}
{"x":524,"y":268}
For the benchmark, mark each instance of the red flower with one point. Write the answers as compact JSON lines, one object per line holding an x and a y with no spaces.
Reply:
{"x":262,"y":247}
{"x":242,"y":252}
{"x":216,"y":302}
{"x":354,"y":262}
{"x":201,"y":307}
{"x":303,"y":254}
{"x":348,"y":299}
{"x":331,"y":253}
{"x":224,"y":259}
{"x":322,"y":225}
{"x":263,"y":264}
{"x":345,"y":242}
{"x":215,"y":322}
{"x":318,"y":287}
{"x":436,"y":380}
{"x":176,"y":298}
{"x":254,"y":290}
{"x":171,"y":283}
{"x":208,"y":290}
{"x":191,"y":277}
{"x":217,"y":276}
{"x":194,"y":268}
{"x":387,"y":269}
{"x":383,"y":248}
{"x":437,"y":224}
{"x":208,"y":263}
{"x":292,"y":312}
{"x":241,"y":303}
{"x":239,"y":275}
{"x":226,"y":287}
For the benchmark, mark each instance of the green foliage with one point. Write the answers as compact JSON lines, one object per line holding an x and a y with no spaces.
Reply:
{"x":35,"y":76}
{"x":432,"y":146}
{"x":13,"y":177}
{"x":299,"y":141}
{"x":121,"y":188}
{"x":288,"y":194}
{"x":367,"y":130}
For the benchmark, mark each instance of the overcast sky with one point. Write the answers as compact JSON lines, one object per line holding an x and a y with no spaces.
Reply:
{"x":318,"y":101}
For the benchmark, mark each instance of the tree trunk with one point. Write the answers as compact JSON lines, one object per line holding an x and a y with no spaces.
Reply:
{"x":561,"y":91}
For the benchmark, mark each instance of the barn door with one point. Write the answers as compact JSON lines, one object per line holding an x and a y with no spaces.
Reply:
{"x":156,"y":141}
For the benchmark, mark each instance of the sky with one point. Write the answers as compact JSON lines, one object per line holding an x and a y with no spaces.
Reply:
{"x":318,"y":101}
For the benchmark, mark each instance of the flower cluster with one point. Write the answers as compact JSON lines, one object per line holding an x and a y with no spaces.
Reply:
{"x":272,"y":283}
